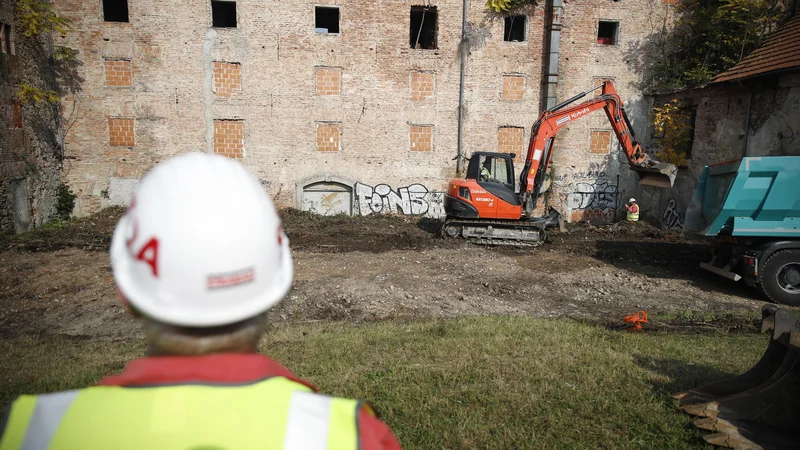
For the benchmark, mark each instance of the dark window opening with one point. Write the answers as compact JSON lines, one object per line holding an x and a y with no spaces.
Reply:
{"x":223,"y":14}
{"x":607,"y":33}
{"x":514,"y":30}
{"x":326,"y":20}
{"x":6,"y":38}
{"x":115,"y":10}
{"x":423,"y":27}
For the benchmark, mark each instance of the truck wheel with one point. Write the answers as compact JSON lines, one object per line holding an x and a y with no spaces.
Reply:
{"x":779,"y":278}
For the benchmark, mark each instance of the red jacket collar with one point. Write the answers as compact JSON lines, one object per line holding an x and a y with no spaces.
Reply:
{"x":223,"y":368}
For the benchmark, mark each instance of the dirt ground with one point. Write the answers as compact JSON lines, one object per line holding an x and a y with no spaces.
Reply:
{"x":376,"y":268}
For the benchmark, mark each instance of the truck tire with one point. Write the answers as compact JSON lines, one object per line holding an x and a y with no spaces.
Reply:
{"x":779,"y":278}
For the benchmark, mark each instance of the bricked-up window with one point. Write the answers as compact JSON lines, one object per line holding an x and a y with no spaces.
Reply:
{"x":423,"y":85}
{"x":115,"y":10}
{"x":607,"y":32}
{"x":514,"y":28}
{"x":326,"y":19}
{"x":227,"y":78}
{"x":328,"y":134}
{"x":223,"y":14}
{"x":118,"y":73}
{"x":511,"y":140}
{"x":600,"y":142}
{"x":513,"y":87}
{"x":120,"y":132}
{"x":328,"y":80}
{"x":229,"y":138}
{"x":421,"y":138}
{"x":423,"y":27}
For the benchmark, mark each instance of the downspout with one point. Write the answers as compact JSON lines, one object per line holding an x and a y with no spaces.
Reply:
{"x":464,"y":51}
{"x":551,"y":69}
{"x":747,"y":123}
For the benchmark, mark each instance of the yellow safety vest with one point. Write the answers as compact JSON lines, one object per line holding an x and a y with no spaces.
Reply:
{"x":633,"y":216}
{"x":276,"y":413}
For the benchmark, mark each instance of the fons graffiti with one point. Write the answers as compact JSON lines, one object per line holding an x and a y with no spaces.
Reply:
{"x":672,"y":219}
{"x":410,"y":200}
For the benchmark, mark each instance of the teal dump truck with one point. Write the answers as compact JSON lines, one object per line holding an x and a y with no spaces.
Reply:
{"x":751,"y":207}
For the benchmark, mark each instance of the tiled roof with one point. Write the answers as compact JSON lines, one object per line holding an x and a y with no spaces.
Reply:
{"x":780,"y":51}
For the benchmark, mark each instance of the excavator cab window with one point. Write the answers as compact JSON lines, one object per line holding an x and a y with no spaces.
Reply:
{"x":496,"y":169}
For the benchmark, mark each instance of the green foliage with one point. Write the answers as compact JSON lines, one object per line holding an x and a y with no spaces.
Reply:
{"x":709,"y":37}
{"x":674,"y":124}
{"x":65,"y":202}
{"x":37,"y":17}
{"x":33,"y":94}
{"x":506,"y":6}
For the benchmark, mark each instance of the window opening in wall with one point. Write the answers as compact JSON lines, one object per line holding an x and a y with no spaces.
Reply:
{"x":423,"y":27}
{"x":607,"y":33}
{"x":326,"y":19}
{"x":115,"y":10}
{"x":223,"y":14}
{"x":514,"y":29}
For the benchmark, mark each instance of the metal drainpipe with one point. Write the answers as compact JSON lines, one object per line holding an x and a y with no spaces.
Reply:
{"x":464,"y":50}
{"x":551,"y":72}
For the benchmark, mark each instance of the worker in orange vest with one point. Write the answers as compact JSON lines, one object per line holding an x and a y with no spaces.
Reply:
{"x":200,"y":256}
{"x":633,"y":210}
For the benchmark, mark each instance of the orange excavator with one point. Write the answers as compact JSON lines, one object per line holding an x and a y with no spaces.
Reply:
{"x":484,"y":206}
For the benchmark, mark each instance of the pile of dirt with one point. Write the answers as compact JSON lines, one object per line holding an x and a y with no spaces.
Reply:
{"x":91,"y":233}
{"x":375,"y":234}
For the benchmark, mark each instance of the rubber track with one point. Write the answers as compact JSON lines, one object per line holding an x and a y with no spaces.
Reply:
{"x":499,"y":224}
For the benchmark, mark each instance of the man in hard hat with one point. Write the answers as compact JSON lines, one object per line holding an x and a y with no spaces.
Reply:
{"x":633,"y":210}
{"x":200,"y":256}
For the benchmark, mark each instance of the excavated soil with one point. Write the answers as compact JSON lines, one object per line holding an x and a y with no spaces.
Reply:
{"x":377,"y":268}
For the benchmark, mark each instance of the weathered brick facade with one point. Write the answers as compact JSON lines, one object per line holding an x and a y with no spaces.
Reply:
{"x":358,"y":104}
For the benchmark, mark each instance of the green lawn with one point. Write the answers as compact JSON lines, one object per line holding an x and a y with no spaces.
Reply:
{"x":485,"y":382}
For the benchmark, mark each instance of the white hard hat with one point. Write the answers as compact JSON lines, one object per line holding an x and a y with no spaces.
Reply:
{"x":631,"y":200}
{"x":201,"y":244}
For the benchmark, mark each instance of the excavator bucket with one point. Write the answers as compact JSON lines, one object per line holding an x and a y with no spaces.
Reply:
{"x":759,"y":409}
{"x":657,"y":174}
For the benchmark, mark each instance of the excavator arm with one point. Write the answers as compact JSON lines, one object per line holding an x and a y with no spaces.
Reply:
{"x":543,"y":134}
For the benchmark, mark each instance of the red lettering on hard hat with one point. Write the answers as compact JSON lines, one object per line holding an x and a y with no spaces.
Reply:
{"x":280,"y":236}
{"x":129,"y":242}
{"x":149,"y":254}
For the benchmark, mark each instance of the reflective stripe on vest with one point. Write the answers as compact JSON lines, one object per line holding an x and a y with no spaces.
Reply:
{"x":273,"y":414}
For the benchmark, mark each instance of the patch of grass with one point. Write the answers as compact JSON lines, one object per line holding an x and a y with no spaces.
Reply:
{"x":481,"y":382}
{"x":92,"y":232}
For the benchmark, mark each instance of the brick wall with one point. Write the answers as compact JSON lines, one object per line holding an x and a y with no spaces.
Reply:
{"x":328,"y":80}
{"x":227,"y":78}
{"x":511,"y":140}
{"x":328,"y":137}
{"x":121,"y":132}
{"x":423,"y":85}
{"x":287,"y":88}
{"x":118,"y":73}
{"x":229,"y":138}
{"x":421,"y":138}
{"x":513,"y":87}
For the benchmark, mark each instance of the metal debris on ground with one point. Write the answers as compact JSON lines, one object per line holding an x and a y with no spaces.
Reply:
{"x":759,"y":409}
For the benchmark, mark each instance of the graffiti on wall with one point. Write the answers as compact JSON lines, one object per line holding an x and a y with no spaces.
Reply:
{"x":414,"y":200}
{"x":600,"y":195}
{"x":672,"y":219}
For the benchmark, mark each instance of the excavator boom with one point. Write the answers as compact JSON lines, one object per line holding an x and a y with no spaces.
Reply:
{"x":544,"y":131}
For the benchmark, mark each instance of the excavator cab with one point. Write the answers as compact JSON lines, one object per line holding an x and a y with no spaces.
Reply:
{"x":494,"y":172}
